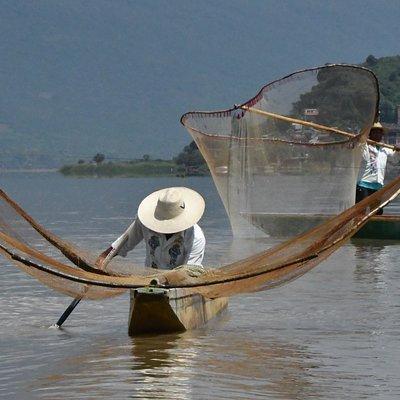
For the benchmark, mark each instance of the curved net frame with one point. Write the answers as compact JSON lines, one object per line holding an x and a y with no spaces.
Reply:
{"x":292,"y":149}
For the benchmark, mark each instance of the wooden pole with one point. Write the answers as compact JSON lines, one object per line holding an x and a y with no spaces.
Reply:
{"x":108,"y":257}
{"x":313,"y":125}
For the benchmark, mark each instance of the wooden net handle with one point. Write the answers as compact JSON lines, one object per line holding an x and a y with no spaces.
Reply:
{"x":313,"y":125}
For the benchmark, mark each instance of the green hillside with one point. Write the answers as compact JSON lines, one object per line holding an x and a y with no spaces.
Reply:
{"x":387,"y":69}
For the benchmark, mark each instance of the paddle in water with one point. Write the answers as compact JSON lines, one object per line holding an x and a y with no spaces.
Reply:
{"x":102,"y":261}
{"x":67,"y":312}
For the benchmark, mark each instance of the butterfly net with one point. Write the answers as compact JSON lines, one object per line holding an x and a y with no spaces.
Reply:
{"x":293,"y":149}
{"x":292,"y":153}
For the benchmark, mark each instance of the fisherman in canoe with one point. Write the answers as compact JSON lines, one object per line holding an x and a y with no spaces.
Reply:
{"x":167,"y":222}
{"x":374,"y":165}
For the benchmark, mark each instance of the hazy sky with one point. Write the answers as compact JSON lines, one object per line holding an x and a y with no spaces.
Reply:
{"x":116,"y":75}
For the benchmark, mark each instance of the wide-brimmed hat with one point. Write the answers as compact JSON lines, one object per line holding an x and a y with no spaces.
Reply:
{"x":171,"y":210}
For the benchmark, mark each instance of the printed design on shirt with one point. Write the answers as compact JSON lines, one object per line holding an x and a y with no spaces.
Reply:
{"x":175,"y":250}
{"x":153,"y":242}
{"x":373,"y":157}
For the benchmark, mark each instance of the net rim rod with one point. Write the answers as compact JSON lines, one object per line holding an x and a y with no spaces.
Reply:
{"x":37,"y":254}
{"x":65,"y":275}
{"x":121,"y":285}
{"x":254,"y":99}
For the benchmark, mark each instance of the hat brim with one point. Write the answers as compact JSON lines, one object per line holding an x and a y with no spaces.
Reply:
{"x":379,"y":127}
{"x":194,"y":209}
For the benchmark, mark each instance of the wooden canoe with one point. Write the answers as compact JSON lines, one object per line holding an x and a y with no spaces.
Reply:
{"x":156,"y":310}
{"x":381,"y":227}
{"x":282,"y":225}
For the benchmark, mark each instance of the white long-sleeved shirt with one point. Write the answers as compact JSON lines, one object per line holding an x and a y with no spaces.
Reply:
{"x":374,"y":166}
{"x":181,"y":248}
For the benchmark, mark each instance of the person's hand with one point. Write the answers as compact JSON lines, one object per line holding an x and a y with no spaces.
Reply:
{"x":100,"y":259}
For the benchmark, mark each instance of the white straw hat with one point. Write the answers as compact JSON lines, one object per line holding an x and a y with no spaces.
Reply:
{"x":171,"y":210}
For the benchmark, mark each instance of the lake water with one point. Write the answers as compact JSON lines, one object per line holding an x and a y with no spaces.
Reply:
{"x":332,"y":334}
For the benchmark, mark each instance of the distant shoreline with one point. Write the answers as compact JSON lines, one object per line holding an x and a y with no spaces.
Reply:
{"x":131,"y":169}
{"x":28,"y":170}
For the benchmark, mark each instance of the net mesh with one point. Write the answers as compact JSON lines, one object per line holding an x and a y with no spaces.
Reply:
{"x":262,"y":271}
{"x":292,"y":149}
{"x":25,"y":242}
{"x":267,"y":157}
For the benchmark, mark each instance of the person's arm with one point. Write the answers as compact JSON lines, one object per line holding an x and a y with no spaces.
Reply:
{"x":393,"y":156}
{"x":365,"y":152}
{"x":196,"y":244}
{"x":125,"y":243}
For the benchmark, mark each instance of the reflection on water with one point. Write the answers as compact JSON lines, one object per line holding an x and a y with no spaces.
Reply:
{"x":370,"y":262}
{"x":333,"y":333}
{"x":183,"y":366}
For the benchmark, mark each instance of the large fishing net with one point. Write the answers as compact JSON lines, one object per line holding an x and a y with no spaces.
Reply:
{"x":266,"y":156}
{"x":293,"y":150}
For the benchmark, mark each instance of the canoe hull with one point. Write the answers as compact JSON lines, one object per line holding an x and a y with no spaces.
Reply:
{"x":385,"y":227}
{"x":156,"y":311}
{"x":381,"y":227}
